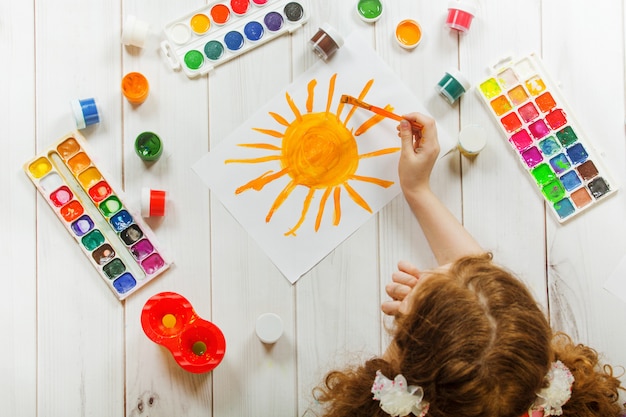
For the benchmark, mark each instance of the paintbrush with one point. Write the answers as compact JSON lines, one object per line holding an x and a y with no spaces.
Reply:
{"x":379,"y":110}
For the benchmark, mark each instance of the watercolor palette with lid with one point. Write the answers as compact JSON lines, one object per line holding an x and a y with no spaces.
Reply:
{"x":222,"y":30}
{"x":118,"y":243}
{"x":547,"y":140}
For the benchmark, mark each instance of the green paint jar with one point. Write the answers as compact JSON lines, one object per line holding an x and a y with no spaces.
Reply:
{"x":148,"y":146}
{"x":369,"y":10}
{"x":452,"y":86}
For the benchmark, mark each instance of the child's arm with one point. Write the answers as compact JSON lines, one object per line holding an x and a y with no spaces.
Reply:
{"x":447,"y":238}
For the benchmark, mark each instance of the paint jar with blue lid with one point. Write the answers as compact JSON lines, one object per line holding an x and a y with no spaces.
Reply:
{"x":85,"y":112}
{"x":453,"y":85}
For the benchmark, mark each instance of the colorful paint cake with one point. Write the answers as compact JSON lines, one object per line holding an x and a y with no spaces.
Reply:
{"x":222,"y":30}
{"x":540,"y":128}
{"x":117,"y":242}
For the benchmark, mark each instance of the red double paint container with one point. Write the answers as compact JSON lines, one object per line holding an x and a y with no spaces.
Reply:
{"x":460,"y":14}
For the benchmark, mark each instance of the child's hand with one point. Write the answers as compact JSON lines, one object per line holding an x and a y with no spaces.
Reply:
{"x":418,"y":154}
{"x":403,"y":281}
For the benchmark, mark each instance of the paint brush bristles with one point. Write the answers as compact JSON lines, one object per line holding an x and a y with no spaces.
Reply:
{"x":378,"y":110}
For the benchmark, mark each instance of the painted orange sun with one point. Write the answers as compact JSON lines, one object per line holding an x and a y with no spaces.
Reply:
{"x":317,"y":151}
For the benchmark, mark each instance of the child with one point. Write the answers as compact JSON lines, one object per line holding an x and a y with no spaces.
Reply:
{"x":469,"y":339}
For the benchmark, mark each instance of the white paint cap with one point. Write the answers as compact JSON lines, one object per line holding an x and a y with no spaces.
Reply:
{"x":472,"y":139}
{"x":135,"y":32}
{"x":269,"y":327}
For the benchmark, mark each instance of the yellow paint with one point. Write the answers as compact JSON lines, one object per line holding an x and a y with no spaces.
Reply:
{"x":200,"y":23}
{"x":408,"y":33}
{"x":79,"y":162}
{"x":40,"y":167}
{"x":89,"y":177}
{"x":317,"y":151}
{"x":535,"y":86}
{"x":169,"y":321}
{"x":518,"y":95}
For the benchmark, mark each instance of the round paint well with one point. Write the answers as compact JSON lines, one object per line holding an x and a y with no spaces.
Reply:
{"x":180,"y":33}
{"x":200,"y":23}
{"x":240,"y":7}
{"x":194,"y":59}
{"x":148,"y":146}
{"x":135,"y":87}
{"x":214,"y":50}
{"x":220,"y":14}
{"x":233,"y":40}
{"x":253,"y":30}
{"x":294,"y":11}
{"x":274,"y":21}
{"x":369,"y":10}
{"x":408,"y":33}
{"x":260,"y":2}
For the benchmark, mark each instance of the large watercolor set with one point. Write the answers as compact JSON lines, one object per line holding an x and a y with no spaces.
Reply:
{"x":117,"y":242}
{"x":220,"y":31}
{"x":541,"y":129}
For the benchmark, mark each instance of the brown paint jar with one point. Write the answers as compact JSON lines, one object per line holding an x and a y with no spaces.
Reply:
{"x":326,"y":42}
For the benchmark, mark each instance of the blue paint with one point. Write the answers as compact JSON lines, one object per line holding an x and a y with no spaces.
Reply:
{"x":233,"y":40}
{"x":564,"y":208}
{"x":124,"y":283}
{"x":274,"y":21}
{"x":121,"y":220}
{"x":571,"y":181}
{"x":560,"y":163}
{"x":253,"y":31}
{"x":577,"y":154}
{"x":85,"y":112}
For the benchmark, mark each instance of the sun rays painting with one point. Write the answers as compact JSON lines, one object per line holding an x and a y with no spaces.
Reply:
{"x":306,"y":171}
{"x":318,"y":151}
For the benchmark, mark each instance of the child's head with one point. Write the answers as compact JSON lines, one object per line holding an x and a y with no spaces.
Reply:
{"x":473,"y":338}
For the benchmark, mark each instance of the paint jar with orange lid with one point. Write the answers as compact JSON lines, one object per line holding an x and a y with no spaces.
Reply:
{"x":135,"y":87}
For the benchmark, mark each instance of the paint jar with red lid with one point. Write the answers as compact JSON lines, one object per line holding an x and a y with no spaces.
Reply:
{"x":460,"y":14}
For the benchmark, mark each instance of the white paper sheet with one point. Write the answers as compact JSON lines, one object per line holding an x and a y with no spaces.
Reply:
{"x":354,"y":65}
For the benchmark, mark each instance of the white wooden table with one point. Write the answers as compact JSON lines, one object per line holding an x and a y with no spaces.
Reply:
{"x":70,"y":348}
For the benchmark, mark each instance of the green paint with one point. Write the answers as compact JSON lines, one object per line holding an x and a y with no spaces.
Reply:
{"x":92,"y":239}
{"x":114,"y":269}
{"x":554,"y":191}
{"x":490,"y":88}
{"x":567,"y":136}
{"x":110,"y":206}
{"x":194,"y":59}
{"x":148,"y":146}
{"x":543,"y":174}
{"x":199,"y":348}
{"x":370,"y":9}
{"x":213,"y":50}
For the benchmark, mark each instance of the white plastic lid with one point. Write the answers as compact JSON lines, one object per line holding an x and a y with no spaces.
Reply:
{"x":78,"y":114}
{"x":269,"y":327}
{"x":472,"y":139}
{"x":333,"y":33}
{"x":468,"y":6}
{"x":461,"y":79}
{"x":135,"y":32}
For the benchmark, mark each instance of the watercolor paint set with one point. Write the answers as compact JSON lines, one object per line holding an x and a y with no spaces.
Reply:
{"x":220,"y":31}
{"x":549,"y":143}
{"x":118,"y":243}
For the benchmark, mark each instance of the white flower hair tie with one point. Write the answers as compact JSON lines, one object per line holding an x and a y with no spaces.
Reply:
{"x":397,"y":398}
{"x":559,"y":390}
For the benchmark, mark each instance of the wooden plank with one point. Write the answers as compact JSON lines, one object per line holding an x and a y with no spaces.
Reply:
{"x":80,"y":328}
{"x":18,"y":255}
{"x":589,"y":65}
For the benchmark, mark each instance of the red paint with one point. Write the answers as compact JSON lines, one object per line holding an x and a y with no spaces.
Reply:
{"x":100,"y":191}
{"x":511,"y":122}
{"x":240,"y":6}
{"x":61,"y":196}
{"x":556,"y":119}
{"x":220,"y":14}
{"x":459,"y":20}
{"x":528,"y":112}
